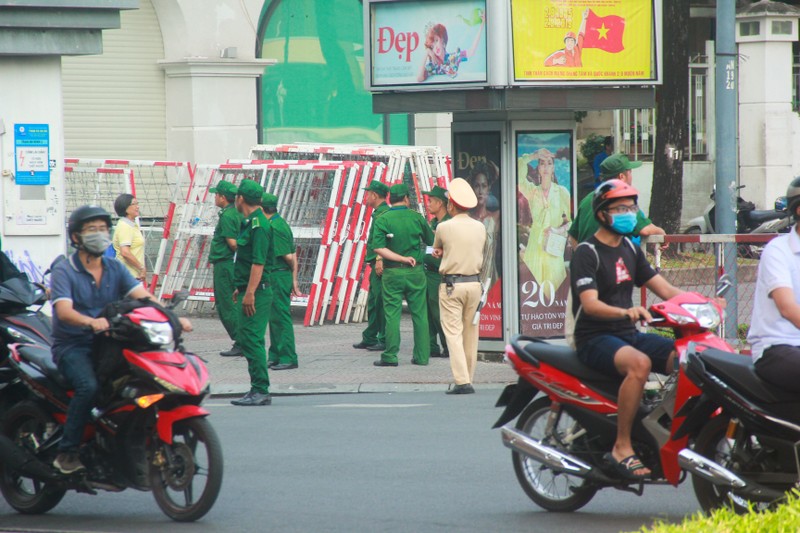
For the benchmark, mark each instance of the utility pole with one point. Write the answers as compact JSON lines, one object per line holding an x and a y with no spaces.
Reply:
{"x":726,"y":111}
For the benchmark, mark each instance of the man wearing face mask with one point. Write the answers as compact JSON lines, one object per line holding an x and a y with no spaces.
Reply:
{"x":603,"y":272}
{"x":81,"y":287}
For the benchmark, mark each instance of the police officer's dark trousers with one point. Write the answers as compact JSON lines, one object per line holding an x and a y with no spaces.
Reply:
{"x":434,"y":320}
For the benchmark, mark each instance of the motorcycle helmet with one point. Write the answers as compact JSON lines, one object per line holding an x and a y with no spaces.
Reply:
{"x":793,"y":196}
{"x":609,"y":191}
{"x":84,"y":214}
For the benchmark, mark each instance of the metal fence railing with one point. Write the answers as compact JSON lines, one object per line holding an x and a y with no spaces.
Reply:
{"x":696,"y":262}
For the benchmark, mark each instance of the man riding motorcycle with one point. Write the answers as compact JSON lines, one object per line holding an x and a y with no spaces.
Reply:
{"x":603,"y":271}
{"x":81,"y":287}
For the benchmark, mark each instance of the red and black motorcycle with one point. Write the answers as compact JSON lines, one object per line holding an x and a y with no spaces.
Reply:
{"x":148,"y":431}
{"x":561,"y":436}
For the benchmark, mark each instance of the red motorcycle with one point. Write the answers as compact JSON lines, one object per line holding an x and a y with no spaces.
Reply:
{"x":561,"y":436}
{"x":148,"y":431}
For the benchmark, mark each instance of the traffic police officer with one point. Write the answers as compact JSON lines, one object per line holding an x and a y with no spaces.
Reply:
{"x":220,"y":254}
{"x":459,"y":242}
{"x":282,"y":354}
{"x":374,"y":337}
{"x":254,"y":262}
{"x":437,"y":206}
{"x":400,"y":238}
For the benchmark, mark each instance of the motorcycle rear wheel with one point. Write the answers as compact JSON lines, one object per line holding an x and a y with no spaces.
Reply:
{"x":553,"y":491}
{"x":195,"y":468}
{"x":26,"y":424}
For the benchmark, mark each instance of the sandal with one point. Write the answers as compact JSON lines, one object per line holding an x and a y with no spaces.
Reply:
{"x":627,"y":467}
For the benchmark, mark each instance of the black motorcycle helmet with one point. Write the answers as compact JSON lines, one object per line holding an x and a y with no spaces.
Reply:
{"x":793,"y":197}
{"x":83,"y":215}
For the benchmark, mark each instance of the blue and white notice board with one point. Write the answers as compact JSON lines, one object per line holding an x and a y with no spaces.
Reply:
{"x":32,"y":154}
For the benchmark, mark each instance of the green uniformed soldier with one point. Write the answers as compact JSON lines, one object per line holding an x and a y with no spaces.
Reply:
{"x":220,"y":254}
{"x":282,"y":354}
{"x":437,"y":206}
{"x":254,"y":262}
{"x":401,"y":236}
{"x":374,"y":337}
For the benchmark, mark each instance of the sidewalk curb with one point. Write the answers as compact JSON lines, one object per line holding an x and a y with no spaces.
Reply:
{"x":303,"y":389}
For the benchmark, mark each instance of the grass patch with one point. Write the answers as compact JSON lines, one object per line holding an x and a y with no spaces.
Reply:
{"x":784,"y":519}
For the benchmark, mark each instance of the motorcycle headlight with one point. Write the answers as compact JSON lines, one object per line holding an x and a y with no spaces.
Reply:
{"x":159,"y":333}
{"x":706,"y":314}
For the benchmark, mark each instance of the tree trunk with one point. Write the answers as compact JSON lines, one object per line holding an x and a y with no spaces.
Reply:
{"x":671,"y":112}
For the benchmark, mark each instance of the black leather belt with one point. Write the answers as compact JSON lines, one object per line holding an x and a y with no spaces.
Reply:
{"x":429,"y":268}
{"x":449,"y":279}
{"x":397,"y":265}
{"x":261,"y":286}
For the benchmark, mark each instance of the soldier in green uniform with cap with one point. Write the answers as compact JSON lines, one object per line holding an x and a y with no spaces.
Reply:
{"x":437,"y":206}
{"x":254,"y":262}
{"x":282,"y":354}
{"x":401,"y":236}
{"x":220,"y":254}
{"x":374,"y":337}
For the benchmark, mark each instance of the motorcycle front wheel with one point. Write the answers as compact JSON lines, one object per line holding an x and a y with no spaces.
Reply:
{"x":186,"y":476}
{"x":553,"y":491}
{"x":28,"y":426}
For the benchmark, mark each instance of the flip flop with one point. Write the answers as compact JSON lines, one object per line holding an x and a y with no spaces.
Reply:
{"x":627,"y":466}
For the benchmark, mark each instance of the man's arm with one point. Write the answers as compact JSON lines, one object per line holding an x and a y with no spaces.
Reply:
{"x":231,"y":244}
{"x":787,"y":306}
{"x":291,"y":260}
{"x":68,"y":315}
{"x":651,"y":229}
{"x":391,"y":256}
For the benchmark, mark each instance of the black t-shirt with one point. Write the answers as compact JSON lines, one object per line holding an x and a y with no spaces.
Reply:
{"x":612,"y":272}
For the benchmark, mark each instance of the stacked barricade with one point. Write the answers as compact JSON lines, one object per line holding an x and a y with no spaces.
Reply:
{"x":156,"y":184}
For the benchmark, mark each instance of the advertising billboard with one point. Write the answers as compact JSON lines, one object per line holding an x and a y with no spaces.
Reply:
{"x":584,"y":41}
{"x":421,"y":45}
{"x":477,"y":160}
{"x":544,"y":214}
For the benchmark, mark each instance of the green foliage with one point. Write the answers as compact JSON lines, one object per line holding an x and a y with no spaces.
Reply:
{"x":592,"y":145}
{"x":741,"y":332}
{"x":785,"y":518}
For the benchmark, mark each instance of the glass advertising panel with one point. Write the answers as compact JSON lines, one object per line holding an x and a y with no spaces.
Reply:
{"x":544,"y":213}
{"x":477,"y":160}
{"x":583,"y":41}
{"x":438,"y":42}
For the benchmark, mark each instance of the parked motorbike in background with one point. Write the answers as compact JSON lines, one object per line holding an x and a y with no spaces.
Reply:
{"x":148,"y":431}
{"x":561,"y":435}
{"x":748,"y":220}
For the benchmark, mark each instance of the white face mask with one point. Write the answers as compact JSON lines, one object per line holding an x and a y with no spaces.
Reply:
{"x":96,"y":243}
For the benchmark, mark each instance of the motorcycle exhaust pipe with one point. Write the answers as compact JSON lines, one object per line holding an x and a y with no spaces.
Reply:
{"x":24,"y":462}
{"x":719,"y":475}
{"x":554,"y":459}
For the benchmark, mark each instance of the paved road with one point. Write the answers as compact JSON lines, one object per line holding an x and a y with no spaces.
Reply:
{"x":394,"y":462}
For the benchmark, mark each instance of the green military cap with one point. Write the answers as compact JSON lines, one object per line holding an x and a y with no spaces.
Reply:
{"x":269,"y":200}
{"x":225,"y":188}
{"x":437,"y":192}
{"x":616,"y":164}
{"x":401,"y":189}
{"x":250,"y":190}
{"x":377,"y":187}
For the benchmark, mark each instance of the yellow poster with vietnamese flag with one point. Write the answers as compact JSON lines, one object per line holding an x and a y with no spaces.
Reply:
{"x":583,"y":40}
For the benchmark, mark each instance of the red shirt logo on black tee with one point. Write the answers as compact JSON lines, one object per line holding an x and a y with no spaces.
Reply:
{"x":622,"y":272}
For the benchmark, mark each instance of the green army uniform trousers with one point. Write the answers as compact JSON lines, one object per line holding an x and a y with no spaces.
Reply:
{"x":281,"y":331}
{"x":434,"y":320}
{"x":250,"y":337}
{"x":228,"y":310}
{"x":376,"y":322}
{"x":408,"y":283}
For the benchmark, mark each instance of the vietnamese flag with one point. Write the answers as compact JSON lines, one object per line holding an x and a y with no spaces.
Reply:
{"x":604,"y":33}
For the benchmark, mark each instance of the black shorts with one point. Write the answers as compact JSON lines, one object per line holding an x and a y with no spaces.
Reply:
{"x":780,"y":365}
{"x":598,"y":352}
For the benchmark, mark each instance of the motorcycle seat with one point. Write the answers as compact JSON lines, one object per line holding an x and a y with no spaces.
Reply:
{"x":738,"y":371}
{"x":42,"y":359}
{"x":566,"y":359}
{"x":765,"y":215}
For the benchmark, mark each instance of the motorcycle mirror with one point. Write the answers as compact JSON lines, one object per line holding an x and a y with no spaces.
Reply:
{"x":55,"y":262}
{"x":780,"y":204}
{"x":180,"y":297}
{"x":724,"y":283}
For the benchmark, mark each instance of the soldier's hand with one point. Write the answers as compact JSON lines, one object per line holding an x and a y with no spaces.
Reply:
{"x":437,"y":253}
{"x":379,"y":268}
{"x":235,"y":295}
{"x":249,"y":303}
{"x":410,"y":261}
{"x":296,"y":290}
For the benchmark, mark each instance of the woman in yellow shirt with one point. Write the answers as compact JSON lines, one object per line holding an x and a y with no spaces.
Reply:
{"x":128,"y":239}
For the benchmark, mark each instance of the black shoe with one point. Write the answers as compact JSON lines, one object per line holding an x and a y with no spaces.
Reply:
{"x":254,"y":398}
{"x":233,"y":352}
{"x":377,"y":347}
{"x":381,"y":362}
{"x":461,"y":389}
{"x":285,"y":366}
{"x":361,"y":345}
{"x":68,"y":463}
{"x":270,"y":364}
{"x":415,"y":362}
{"x":443,"y":354}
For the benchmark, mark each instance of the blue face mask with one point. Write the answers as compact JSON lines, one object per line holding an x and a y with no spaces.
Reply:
{"x":623,"y":223}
